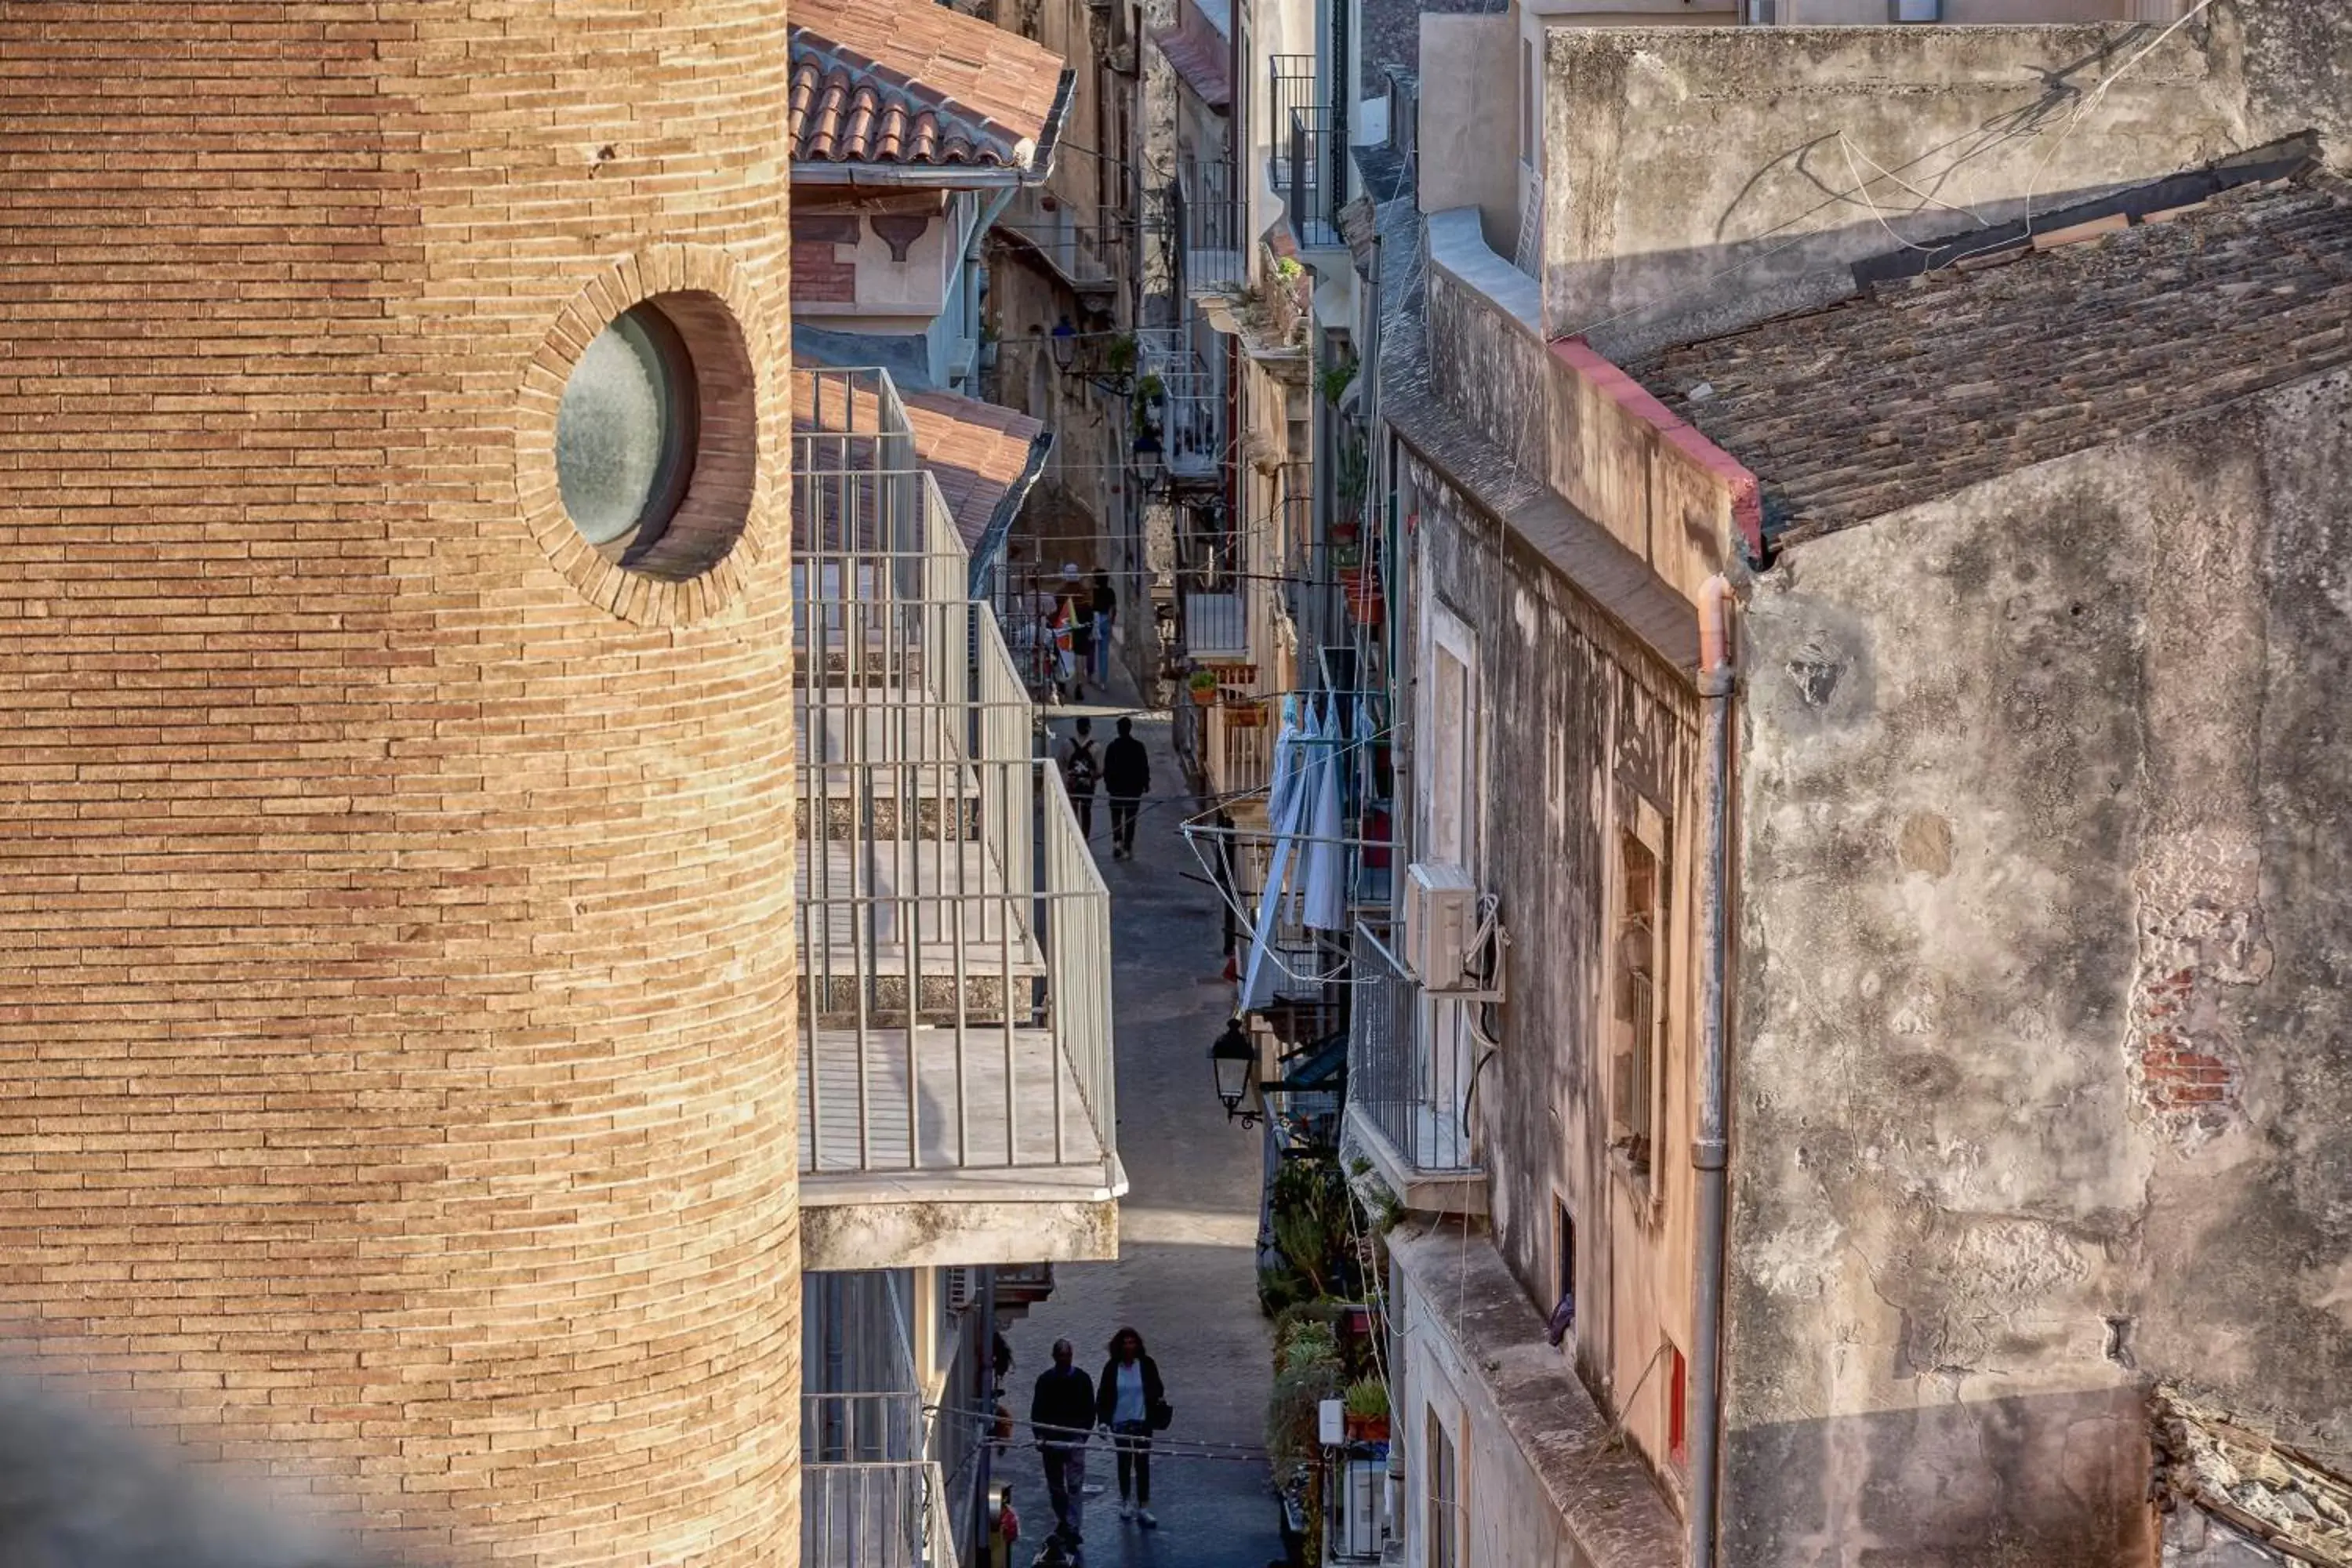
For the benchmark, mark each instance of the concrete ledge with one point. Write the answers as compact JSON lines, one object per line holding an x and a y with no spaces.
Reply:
{"x":1421,"y":1192}
{"x":956,"y":1235}
{"x":1458,"y":245}
{"x":1605,"y":1499}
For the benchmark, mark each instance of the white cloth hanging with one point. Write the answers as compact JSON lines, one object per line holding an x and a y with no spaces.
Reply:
{"x":1324,"y":867}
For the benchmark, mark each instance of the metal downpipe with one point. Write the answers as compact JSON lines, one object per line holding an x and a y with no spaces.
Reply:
{"x":1710,"y":1147}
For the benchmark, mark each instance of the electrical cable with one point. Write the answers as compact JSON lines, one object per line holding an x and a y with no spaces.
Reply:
{"x":1192,"y":1448}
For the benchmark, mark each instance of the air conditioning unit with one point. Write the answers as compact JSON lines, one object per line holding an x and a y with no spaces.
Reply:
{"x":1451,"y":948}
{"x":960,"y":1286}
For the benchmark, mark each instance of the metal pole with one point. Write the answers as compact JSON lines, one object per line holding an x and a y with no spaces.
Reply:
{"x":1711,"y":1146}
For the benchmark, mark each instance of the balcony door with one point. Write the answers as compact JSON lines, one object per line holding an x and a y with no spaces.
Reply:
{"x":1449,"y":723}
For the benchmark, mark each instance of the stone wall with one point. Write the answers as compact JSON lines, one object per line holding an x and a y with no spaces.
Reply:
{"x":1703,"y":178}
{"x":2041,"y":988}
{"x":395,"y":952}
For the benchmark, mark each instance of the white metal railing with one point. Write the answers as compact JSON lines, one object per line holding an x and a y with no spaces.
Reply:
{"x":875,"y":1515}
{"x":951,"y":1012}
{"x":1191,"y":407}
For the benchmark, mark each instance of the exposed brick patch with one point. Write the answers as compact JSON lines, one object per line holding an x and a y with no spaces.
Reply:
{"x":819,"y":276}
{"x":2200,"y":936}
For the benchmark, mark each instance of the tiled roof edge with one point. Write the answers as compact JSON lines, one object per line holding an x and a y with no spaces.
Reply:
{"x":1637,"y":401}
{"x":1003,"y":144}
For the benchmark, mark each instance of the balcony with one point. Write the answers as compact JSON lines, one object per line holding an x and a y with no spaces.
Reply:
{"x":1083,"y":249}
{"x":956,"y":1101}
{"x":869,"y":1498}
{"x":1220,"y":603}
{"x":1409,"y":1066}
{"x":1205,"y":208}
{"x":1309,"y":166}
{"x":1190,"y":406}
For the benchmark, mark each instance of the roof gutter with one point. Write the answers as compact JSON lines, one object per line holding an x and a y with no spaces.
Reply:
{"x":990,"y":543}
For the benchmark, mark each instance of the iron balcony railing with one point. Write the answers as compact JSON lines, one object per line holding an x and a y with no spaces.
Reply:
{"x":1290,"y":85}
{"x":1308,"y":157}
{"x":1315,"y":177}
{"x":1188,"y":405}
{"x":1220,"y":603}
{"x":954,"y":933}
{"x":865,"y":1428}
{"x":1205,"y":202}
{"x":1409,"y":1060}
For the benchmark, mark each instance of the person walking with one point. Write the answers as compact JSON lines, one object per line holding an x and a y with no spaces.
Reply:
{"x":1132,"y":1401}
{"x":1127,"y":774}
{"x":1077,"y":605}
{"x":1105,"y":607}
{"x":1080,"y":769}
{"x":1067,"y":688}
{"x":1062,"y":1419}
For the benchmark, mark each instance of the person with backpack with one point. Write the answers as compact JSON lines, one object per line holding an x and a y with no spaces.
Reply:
{"x":1081,"y":769}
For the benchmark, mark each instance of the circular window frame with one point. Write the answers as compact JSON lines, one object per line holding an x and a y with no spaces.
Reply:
{"x":673,"y":468}
{"x":696,"y":562}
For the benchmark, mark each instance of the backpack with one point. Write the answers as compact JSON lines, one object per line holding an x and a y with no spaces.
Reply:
{"x":1081,"y":771}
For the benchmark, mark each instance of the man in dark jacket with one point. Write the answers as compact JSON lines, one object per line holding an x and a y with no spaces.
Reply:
{"x":1062,"y":1417}
{"x":1127,"y":774}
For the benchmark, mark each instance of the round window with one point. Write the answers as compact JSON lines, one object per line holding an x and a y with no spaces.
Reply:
{"x":624,"y":434}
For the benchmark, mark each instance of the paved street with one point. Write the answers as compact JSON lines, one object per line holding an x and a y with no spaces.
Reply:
{"x":1186,"y":1279}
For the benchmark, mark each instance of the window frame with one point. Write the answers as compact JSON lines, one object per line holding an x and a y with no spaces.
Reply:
{"x":1636,"y":1089}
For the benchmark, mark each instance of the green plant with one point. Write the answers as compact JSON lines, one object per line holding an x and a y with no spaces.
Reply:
{"x":1150,"y":388}
{"x":1367,"y":1399}
{"x":1306,"y":1343}
{"x":1287,"y":270}
{"x":1121,"y":354}
{"x":1333,"y":380}
{"x":1311,"y":1222}
{"x":1281,"y":1291}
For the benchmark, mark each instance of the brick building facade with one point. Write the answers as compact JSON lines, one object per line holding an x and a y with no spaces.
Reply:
{"x":397,"y":978}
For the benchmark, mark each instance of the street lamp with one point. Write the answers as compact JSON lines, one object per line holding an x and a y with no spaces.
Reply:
{"x":1232,"y":1059}
{"x":1151,"y":459}
{"x":1066,"y":345}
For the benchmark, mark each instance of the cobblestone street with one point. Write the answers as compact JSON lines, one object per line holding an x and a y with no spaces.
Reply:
{"x":1186,"y":1276}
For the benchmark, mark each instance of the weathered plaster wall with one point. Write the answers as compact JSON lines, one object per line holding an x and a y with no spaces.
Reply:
{"x":2042,"y":995}
{"x":1577,"y":724}
{"x":1676,"y":154}
{"x":1603,"y":444}
{"x":1469,"y":138}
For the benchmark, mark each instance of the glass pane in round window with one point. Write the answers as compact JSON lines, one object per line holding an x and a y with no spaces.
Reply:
{"x":624,"y":434}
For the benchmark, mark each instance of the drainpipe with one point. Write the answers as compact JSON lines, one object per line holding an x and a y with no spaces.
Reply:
{"x":1710,"y":1148}
{"x":997,"y":202}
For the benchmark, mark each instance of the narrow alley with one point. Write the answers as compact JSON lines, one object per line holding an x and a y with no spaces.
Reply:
{"x":1186,"y":1276}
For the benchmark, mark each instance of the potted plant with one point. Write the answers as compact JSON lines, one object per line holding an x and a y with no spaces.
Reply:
{"x":1368,"y":1410}
{"x":1203,"y":684}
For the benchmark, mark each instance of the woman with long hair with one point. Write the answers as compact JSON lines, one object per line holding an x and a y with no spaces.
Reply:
{"x":1132,"y":1401}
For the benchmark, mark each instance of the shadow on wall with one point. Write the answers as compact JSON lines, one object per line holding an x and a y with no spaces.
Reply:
{"x":77,"y":1493}
{"x":2046,"y":1480}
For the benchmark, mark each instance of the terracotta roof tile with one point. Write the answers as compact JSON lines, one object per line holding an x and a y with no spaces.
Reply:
{"x":910,"y":81}
{"x":978,"y":453}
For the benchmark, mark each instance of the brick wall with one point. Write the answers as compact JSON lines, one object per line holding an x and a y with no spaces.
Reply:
{"x":395,"y":956}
